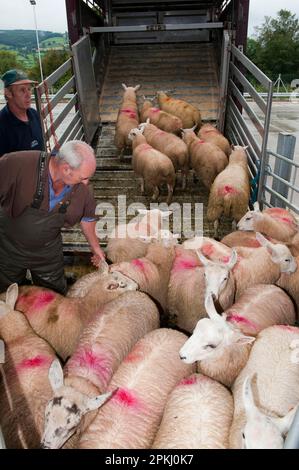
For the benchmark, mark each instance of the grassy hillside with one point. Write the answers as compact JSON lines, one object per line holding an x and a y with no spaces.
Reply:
{"x":17,"y":39}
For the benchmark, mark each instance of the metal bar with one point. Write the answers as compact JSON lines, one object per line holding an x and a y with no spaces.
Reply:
{"x":74,"y":121}
{"x":251,"y":90}
{"x":78,"y":126}
{"x":80,"y":134}
{"x":286,"y":183}
{"x":279,"y":196}
{"x":58,"y":96}
{"x":264,"y":154}
{"x":38,"y":104}
{"x":154,"y":27}
{"x":293,"y":183}
{"x":242,"y":122}
{"x":241,"y":142}
{"x":245,"y":139}
{"x":292,"y":439}
{"x":224,"y":73}
{"x":286,"y":147}
{"x":256,"y":72}
{"x":270,"y":152}
{"x":253,"y":117}
{"x":56,"y":75}
{"x":62,"y":115}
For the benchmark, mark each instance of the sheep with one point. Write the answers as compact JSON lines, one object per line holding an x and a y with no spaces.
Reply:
{"x":273,"y":222}
{"x":276,"y":377}
{"x":206,"y":159}
{"x":197,"y":415}
{"x":229,"y":194}
{"x":60,"y":319}
{"x":152,"y":272}
{"x":104,"y":343}
{"x":153,"y":167}
{"x":188,"y":113}
{"x":290,"y":283}
{"x":189,"y":282}
{"x":209,"y":247}
{"x":170,"y":145}
{"x":210,"y":134}
{"x":262,"y":431}
{"x":24,"y":385}
{"x":247,"y":239}
{"x":221,"y":344}
{"x":262,"y":265}
{"x":127,"y":242}
{"x":165,"y":121}
{"x":127,"y":119}
{"x":144,"y":380}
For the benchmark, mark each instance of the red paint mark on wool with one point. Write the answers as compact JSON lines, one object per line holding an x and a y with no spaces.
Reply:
{"x":182,"y":264}
{"x":189,"y":380}
{"x":236,"y":318}
{"x":35,"y":301}
{"x":207,"y":249}
{"x":138,"y":264}
{"x":280,"y":214}
{"x":227,"y":190}
{"x":126,"y":397}
{"x":33,"y":362}
{"x":144,"y":147}
{"x":155,"y":110}
{"x":137,"y":354}
{"x":253,"y":243}
{"x":292,"y":329}
{"x":211,"y":130}
{"x":96,"y":362}
{"x":200,"y":141}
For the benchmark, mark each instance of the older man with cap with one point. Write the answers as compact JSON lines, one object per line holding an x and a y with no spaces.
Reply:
{"x":40,"y":194}
{"x":20,"y":127}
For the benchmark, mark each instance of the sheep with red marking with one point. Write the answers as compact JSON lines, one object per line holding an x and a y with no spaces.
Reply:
{"x":197,"y":415}
{"x":221,"y":344}
{"x":246,"y":239}
{"x":60,"y":320}
{"x":189,"y":114}
{"x":105,"y":342}
{"x":230,"y":191}
{"x":144,"y":380}
{"x":170,"y":145}
{"x":210,"y":134}
{"x":206,"y":159}
{"x":24,"y":384}
{"x":152,"y":166}
{"x":273,"y":364}
{"x":127,"y":119}
{"x":273,"y":222}
{"x":290,"y":283}
{"x":163,"y":120}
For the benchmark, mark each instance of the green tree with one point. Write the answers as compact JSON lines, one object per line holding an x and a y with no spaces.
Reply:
{"x":9,"y":60}
{"x":51,"y":60}
{"x":275,"y":49}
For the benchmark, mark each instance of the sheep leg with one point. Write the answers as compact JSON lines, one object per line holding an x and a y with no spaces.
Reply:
{"x":170,"y":193}
{"x":121,"y":154}
{"x":216,"y":226}
{"x":184,"y":178}
{"x":155,"y":193}
{"x":142,"y":185}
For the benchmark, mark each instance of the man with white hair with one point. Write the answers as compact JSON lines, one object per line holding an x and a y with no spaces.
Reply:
{"x":40,"y":194}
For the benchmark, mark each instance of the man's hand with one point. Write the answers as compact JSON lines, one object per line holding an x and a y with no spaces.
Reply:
{"x":98,"y":257}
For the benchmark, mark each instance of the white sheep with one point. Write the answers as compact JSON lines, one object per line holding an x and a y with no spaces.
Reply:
{"x":189,"y":282}
{"x":170,"y":145}
{"x":220,"y":344}
{"x":247,"y":239}
{"x":153,"y":167}
{"x":206,"y":159}
{"x":229,"y":194}
{"x":262,"y":431}
{"x":189,"y":114}
{"x":197,"y":415}
{"x":163,"y":120}
{"x":127,"y":119}
{"x":273,"y":222}
{"x":60,"y":320}
{"x":105,"y":342}
{"x":24,"y":385}
{"x":210,"y":134}
{"x":290,"y":283}
{"x":275,"y":368}
{"x":144,"y":381}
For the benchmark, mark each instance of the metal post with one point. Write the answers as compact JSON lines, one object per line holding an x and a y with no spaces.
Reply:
{"x":264,"y":153}
{"x":33,"y":3}
{"x":292,"y":440}
{"x":224,"y":73}
{"x":285,"y":147}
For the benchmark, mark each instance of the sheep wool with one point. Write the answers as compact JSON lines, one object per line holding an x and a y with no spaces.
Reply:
{"x":164,"y":121}
{"x":210,"y":134}
{"x":189,"y":114}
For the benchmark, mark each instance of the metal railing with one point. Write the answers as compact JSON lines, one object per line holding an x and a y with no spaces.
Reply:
{"x":237,"y":130}
{"x":59,"y":125}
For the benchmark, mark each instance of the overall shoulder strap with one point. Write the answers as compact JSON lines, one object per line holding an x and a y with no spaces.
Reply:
{"x":40,"y":187}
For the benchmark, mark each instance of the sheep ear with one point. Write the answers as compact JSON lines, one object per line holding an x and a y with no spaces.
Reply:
{"x":204,"y":261}
{"x":137,"y":87}
{"x":96,"y":402}
{"x":242,"y":339}
{"x":103,"y":267}
{"x":211,"y":310}
{"x":124,"y":86}
{"x":55,"y":375}
{"x":12,"y":295}
{"x":247,"y":395}
{"x":147,"y":121}
{"x":233,"y":260}
{"x":262,"y":240}
{"x":256,"y":207}
{"x":176,"y":236}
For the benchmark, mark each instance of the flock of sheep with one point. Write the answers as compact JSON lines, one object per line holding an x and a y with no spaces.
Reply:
{"x":97,"y":368}
{"x":158,"y":152}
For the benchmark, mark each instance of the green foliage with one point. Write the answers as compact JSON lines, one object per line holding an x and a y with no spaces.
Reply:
{"x":275,"y":49}
{"x":24,"y":38}
{"x":9,"y":60}
{"x":51,"y":60}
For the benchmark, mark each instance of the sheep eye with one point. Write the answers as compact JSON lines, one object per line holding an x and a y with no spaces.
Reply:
{"x":287,"y":260}
{"x":212,"y":346}
{"x":243,"y":435}
{"x":248,"y":218}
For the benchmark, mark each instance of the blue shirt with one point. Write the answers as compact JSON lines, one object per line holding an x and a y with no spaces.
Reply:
{"x":16,"y":135}
{"x":53,"y":199}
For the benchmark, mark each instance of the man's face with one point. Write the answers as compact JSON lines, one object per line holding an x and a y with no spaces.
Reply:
{"x":19,"y":95}
{"x":80,"y":175}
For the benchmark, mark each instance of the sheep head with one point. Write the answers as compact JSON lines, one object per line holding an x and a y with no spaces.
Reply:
{"x":280,"y":254}
{"x":10,"y":300}
{"x":65,"y":410}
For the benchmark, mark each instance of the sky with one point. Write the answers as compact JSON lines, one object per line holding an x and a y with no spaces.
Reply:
{"x":51,"y":15}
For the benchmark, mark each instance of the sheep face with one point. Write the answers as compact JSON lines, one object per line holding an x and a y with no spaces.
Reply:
{"x":134,"y":132}
{"x":216,"y":277}
{"x":247,"y":223}
{"x":280,"y":254}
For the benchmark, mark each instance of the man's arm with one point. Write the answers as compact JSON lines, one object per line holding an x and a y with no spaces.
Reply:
{"x":88,"y":228}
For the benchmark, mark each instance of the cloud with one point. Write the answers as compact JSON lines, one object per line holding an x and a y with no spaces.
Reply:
{"x":259,"y":9}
